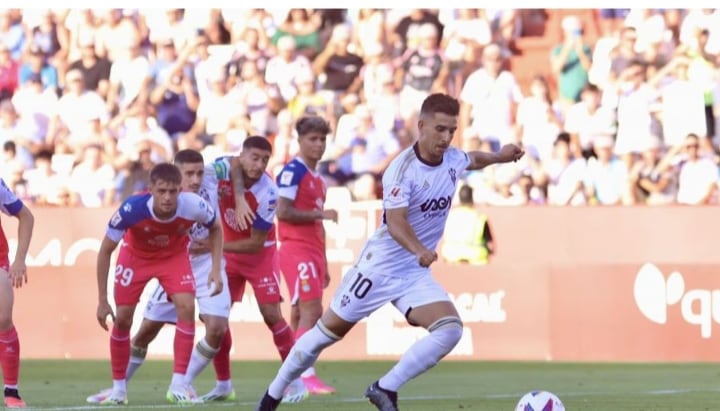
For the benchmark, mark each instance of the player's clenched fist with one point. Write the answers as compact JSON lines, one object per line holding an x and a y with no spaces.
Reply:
{"x":510,"y":152}
{"x":426,"y":257}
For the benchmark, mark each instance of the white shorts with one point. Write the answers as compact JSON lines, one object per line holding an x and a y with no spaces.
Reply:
{"x":362,"y":293}
{"x":160,"y":309}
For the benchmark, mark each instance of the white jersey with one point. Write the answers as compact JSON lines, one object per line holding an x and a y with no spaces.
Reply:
{"x":202,"y":263}
{"x":427,"y":192}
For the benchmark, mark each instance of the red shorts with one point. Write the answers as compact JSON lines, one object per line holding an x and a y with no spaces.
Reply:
{"x":304,"y":270}
{"x":132,"y":273}
{"x":260,"y":270}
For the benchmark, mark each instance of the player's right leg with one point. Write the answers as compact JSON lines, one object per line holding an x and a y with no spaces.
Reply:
{"x":158,"y":311}
{"x":329,"y":330}
{"x":9,"y":343}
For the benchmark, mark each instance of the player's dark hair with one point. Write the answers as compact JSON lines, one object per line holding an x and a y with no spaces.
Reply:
{"x":312,"y":124}
{"x":188,"y":156}
{"x":440,"y":103}
{"x":465,"y":195}
{"x":563,"y":137}
{"x":166,"y":172}
{"x":259,"y":142}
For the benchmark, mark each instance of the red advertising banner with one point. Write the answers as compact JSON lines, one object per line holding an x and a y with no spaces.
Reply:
{"x":588,"y":284}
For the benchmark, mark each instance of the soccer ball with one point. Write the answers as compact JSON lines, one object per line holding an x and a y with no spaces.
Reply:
{"x":540,"y":401}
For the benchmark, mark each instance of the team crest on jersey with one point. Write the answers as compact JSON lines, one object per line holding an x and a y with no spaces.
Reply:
{"x":223,"y":191}
{"x":286,"y":178}
{"x":116,"y":219}
{"x":220,"y":170}
{"x":453,"y":175}
{"x":127,"y":207}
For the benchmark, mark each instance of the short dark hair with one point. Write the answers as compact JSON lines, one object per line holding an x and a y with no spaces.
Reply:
{"x":259,"y":142}
{"x":465,"y":195}
{"x":165,"y":172}
{"x":44,"y":154}
{"x":440,"y":103}
{"x":10,"y":146}
{"x":188,"y":156}
{"x":563,"y":137}
{"x":312,"y":124}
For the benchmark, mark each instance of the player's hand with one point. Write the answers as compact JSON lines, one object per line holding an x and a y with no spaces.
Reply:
{"x":330,"y":215}
{"x":103,"y":311}
{"x":215,"y":283}
{"x":426,"y":257}
{"x":18,"y":274}
{"x":510,"y":152}
{"x":244,"y":215}
{"x":199,"y":247}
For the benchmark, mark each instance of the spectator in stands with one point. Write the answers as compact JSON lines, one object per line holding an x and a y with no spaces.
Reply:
{"x":137,"y":125}
{"x":336,"y":64}
{"x":588,"y":120}
{"x":91,"y":180}
{"x":260,"y":99}
{"x":652,"y":182}
{"x":537,"y":122}
{"x":175,"y":102}
{"x":214,"y":115}
{"x":114,"y":33}
{"x":611,"y":20}
{"x":52,"y":42}
{"x":419,"y":72}
{"x":134,"y":176}
{"x":8,"y":73}
{"x":95,"y":70}
{"x":285,"y":144}
{"x":489,"y":100}
{"x":466,"y":33}
{"x":37,"y":64}
{"x":34,"y":107}
{"x":282,"y":69}
{"x":76,"y":109}
{"x":698,"y":176}
{"x":571,"y":62}
{"x":469,"y":239}
{"x":369,"y":31}
{"x":12,"y":130}
{"x":564,"y":175}
{"x":13,"y":167}
{"x":606,"y":177}
{"x":403,"y":31}
{"x":624,"y":55}
{"x":44,"y":185}
{"x":304,"y":27}
{"x":129,"y":76}
{"x":12,"y":35}
{"x":252,"y":46}
{"x":308,"y":100}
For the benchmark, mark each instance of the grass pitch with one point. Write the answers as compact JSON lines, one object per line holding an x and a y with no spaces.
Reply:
{"x":453,"y":385}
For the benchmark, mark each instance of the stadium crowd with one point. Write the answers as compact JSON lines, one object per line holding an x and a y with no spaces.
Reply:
{"x":90,"y":100}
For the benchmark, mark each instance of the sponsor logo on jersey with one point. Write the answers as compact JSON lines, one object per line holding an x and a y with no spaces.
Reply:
{"x":286,"y":178}
{"x":436,"y":204}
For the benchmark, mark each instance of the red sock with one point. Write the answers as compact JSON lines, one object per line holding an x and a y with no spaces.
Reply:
{"x":10,"y":356}
{"x":283,"y":338}
{"x":299,"y":332}
{"x":119,"y":352}
{"x":221,"y":361}
{"x":183,"y":346}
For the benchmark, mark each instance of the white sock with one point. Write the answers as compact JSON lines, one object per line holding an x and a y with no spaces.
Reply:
{"x":303,"y":355}
{"x":177,"y":380}
{"x":201,"y":356}
{"x":424,"y":354}
{"x":225,"y":385}
{"x":137,"y":357}
{"x":308,"y":373}
{"x":11,"y":387}
{"x":119,"y":387}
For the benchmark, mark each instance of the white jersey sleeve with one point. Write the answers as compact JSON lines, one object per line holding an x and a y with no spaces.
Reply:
{"x":267,"y":198}
{"x":397,"y":185}
{"x":194,"y":208}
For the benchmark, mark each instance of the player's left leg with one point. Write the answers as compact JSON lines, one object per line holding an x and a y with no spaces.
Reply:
{"x":425,"y":304}
{"x":9,"y":344}
{"x":182,"y":347}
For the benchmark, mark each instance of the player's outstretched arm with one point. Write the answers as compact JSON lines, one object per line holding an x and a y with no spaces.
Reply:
{"x":103,"y":267}
{"x":244,"y":214}
{"x":402,"y":232}
{"x":481,"y":159}
{"x":215,"y":239}
{"x":251,"y":245}
{"x":286,"y":212}
{"x":18,"y":270}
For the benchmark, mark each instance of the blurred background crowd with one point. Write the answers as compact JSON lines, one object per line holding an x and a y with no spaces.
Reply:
{"x":613,"y":106}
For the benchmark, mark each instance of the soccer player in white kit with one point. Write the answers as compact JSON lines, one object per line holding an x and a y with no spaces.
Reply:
{"x":214,"y":309}
{"x":394,"y":265}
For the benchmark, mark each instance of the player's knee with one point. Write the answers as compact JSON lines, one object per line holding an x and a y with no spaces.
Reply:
{"x":5,"y":320}
{"x":215,"y":333}
{"x":447,"y":331}
{"x":271,"y":314}
{"x":185,"y":309}
{"x":310,"y":311}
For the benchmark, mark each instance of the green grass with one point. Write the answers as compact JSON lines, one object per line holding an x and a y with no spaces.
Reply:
{"x":63,"y":385}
